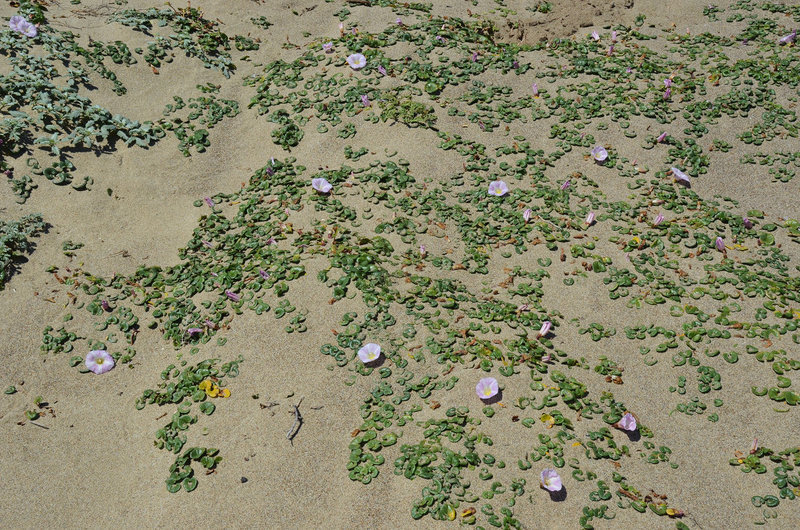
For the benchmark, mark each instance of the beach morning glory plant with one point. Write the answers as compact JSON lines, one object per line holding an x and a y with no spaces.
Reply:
{"x":487,"y":388}
{"x":321,"y":185}
{"x":498,"y":188}
{"x":99,"y":361}
{"x":599,"y":153}
{"x":369,"y":352}
{"x":357,"y":61}
{"x":21,"y":25}
{"x":627,"y":423}
{"x":550,"y":480}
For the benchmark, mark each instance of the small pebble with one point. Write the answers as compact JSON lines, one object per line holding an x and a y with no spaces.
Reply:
{"x":244,"y":479}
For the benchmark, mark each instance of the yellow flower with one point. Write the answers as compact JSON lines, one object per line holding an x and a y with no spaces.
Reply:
{"x":225,"y":393}
{"x":548,"y":420}
{"x":204,"y":385}
{"x":213,"y":391}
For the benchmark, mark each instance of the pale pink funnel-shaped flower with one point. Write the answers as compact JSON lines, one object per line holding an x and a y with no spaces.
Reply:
{"x":321,"y":185}
{"x":662,"y":137}
{"x":21,"y":25}
{"x":720,"y":244}
{"x":527,"y":214}
{"x":590,"y":219}
{"x":599,"y":153}
{"x":628,"y":422}
{"x":99,"y":361}
{"x":328,"y":47}
{"x":595,"y":36}
{"x":487,"y":388}
{"x":546,"y":325}
{"x":680,"y":175}
{"x":357,"y":61}
{"x":535,"y":88}
{"x":657,"y":221}
{"x":369,"y":352}
{"x":550,"y":480}
{"x":498,"y":188}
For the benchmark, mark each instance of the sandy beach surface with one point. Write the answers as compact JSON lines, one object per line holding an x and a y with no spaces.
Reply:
{"x":89,"y":460}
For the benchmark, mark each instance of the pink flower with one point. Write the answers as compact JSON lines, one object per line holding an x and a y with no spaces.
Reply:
{"x":321,"y":185}
{"x":381,"y":69}
{"x":357,"y":61}
{"x":535,"y":88}
{"x":399,"y":21}
{"x":680,"y":176}
{"x":667,"y":93}
{"x":720,"y":244}
{"x":610,"y":51}
{"x":498,"y":188}
{"x":264,"y":274}
{"x":627,"y":423}
{"x":328,"y":47}
{"x":788,"y":39}
{"x":747,"y":223}
{"x":613,"y":36}
{"x":487,"y":388}
{"x":232,"y":296}
{"x":369,"y":352}
{"x":21,"y":25}
{"x":550,"y":480}
{"x":599,"y":153}
{"x":662,"y":137}
{"x":595,"y":36}
{"x":423,"y":251}
{"x":474,"y":57}
{"x":667,"y":82}
{"x":589,"y":219}
{"x":99,"y":361}
{"x":527,"y":214}
{"x":193,"y":331}
{"x":658,"y":219}
{"x":565,"y":185}
{"x":365,"y":100}
{"x":545,"y":329}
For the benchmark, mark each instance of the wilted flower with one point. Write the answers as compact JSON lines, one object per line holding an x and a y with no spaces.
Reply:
{"x":357,"y":61}
{"x":599,"y":153}
{"x":341,"y":28}
{"x":264,"y":274}
{"x":321,"y":185}
{"x":423,"y":251}
{"x":545,"y":329}
{"x":589,"y":219}
{"x":381,"y":69}
{"x":526,"y":215}
{"x":487,"y":388}
{"x":613,"y":36}
{"x":662,"y":137}
{"x":232,"y":296}
{"x":788,"y":39}
{"x":369,"y":352}
{"x":365,"y":100}
{"x":99,"y":361}
{"x":21,"y":25}
{"x":610,"y":51}
{"x":550,"y":480}
{"x":680,"y":176}
{"x":498,"y":188}
{"x":658,"y":219}
{"x":595,"y":36}
{"x":667,"y":93}
{"x":565,"y":185}
{"x":209,"y":201}
{"x":667,"y":82}
{"x":720,"y":244}
{"x":193,"y":331}
{"x":535,"y":88}
{"x":627,"y":423}
{"x":474,"y":57}
{"x":399,"y":21}
{"x":747,"y":223}
{"x":328,"y":47}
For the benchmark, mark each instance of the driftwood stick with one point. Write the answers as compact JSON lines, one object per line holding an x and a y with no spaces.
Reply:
{"x":298,"y":422}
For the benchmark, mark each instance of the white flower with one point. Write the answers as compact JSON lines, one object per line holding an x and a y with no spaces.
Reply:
{"x":99,"y":361}
{"x":357,"y":61}
{"x":369,"y":352}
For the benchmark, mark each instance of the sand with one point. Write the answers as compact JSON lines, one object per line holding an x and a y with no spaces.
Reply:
{"x":93,"y":463}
